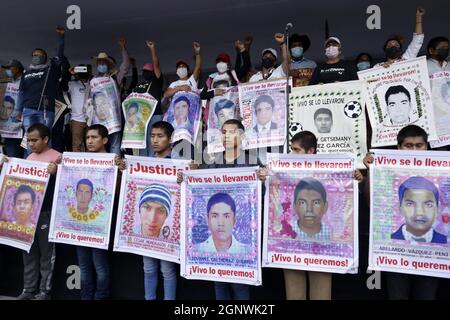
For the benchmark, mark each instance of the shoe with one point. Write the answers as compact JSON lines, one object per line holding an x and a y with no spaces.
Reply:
{"x":26,"y":296}
{"x":42,"y":296}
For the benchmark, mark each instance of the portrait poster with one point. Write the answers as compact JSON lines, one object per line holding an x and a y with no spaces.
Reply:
{"x":440,"y":95}
{"x":184,"y":115}
{"x":221,"y":225}
{"x":410,"y":212}
{"x":263,"y":113}
{"x":138,"y":109}
{"x":84,"y":198}
{"x":221,"y":109}
{"x":311,"y":213}
{"x":148,"y":220}
{"x":335,"y":113}
{"x":22,"y":194}
{"x":9,"y":126}
{"x":396,"y":97}
{"x":103,"y":105}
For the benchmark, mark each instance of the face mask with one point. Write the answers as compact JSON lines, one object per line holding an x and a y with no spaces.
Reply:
{"x":267,"y":63}
{"x":148,"y":75}
{"x":297,"y":52}
{"x":37,"y":60}
{"x":393,"y":52}
{"x":182,"y":72}
{"x":9,"y":73}
{"x":441,"y":54}
{"x":102,"y":68}
{"x":222,"y":67}
{"x":363,"y":65}
{"x":332,"y":52}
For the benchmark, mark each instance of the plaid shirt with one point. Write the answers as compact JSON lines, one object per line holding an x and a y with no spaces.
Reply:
{"x":323,"y":235}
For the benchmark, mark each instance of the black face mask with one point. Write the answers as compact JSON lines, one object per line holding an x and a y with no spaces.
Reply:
{"x":393,"y":52}
{"x":148,"y":75}
{"x":441,"y":54}
{"x":268,"y":63}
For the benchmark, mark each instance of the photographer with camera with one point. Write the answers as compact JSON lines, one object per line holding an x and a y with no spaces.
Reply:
{"x":76,"y":89}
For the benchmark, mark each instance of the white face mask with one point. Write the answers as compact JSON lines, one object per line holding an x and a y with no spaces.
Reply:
{"x":332,"y":52}
{"x":182,"y":72}
{"x":222,"y":67}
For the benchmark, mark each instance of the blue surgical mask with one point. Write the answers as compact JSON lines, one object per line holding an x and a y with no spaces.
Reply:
{"x":102,"y":68}
{"x":37,"y":60}
{"x":9,"y":73}
{"x":363,"y":65}
{"x":297,"y":52}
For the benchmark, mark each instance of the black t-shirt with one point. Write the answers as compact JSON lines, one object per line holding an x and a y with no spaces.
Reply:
{"x":328,"y":73}
{"x":156,"y":90}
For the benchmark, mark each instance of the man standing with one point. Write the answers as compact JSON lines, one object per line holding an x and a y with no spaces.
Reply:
{"x":153,"y":84}
{"x":94,"y":264}
{"x":406,"y":286}
{"x":41,"y":258}
{"x":38,"y":88}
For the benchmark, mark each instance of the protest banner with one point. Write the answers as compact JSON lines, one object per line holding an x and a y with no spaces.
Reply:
{"x":103,"y":105}
{"x":221,"y":226}
{"x":148,"y":221}
{"x":9,"y":126}
{"x":396,"y":97}
{"x":221,"y":109}
{"x":184,"y":115}
{"x":440,"y":94}
{"x":311,"y":213}
{"x":84,"y":198}
{"x":22,"y":193}
{"x":263,"y":113}
{"x":334,"y":113}
{"x":138,"y":109}
{"x":410,"y":212}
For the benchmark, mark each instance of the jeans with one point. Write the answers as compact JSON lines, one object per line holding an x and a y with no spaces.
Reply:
{"x":115,"y":140}
{"x":410,"y":286}
{"x":32,"y":116}
{"x":40,"y":261}
{"x":12,"y":148}
{"x":148,"y":151}
{"x":240,"y":291}
{"x":151,"y":278}
{"x":95,"y":274}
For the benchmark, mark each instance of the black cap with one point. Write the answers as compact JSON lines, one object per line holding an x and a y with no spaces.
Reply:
{"x":13,"y":63}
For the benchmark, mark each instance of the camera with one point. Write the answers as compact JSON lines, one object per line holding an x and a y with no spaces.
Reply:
{"x":80,"y":69}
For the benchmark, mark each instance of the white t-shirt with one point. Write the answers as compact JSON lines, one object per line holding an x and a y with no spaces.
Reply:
{"x":190,"y":82}
{"x":77,"y":91}
{"x":276,"y":74}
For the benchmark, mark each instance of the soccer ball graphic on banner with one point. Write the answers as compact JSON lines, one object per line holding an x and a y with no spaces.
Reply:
{"x":353,"y":109}
{"x":295,"y":127}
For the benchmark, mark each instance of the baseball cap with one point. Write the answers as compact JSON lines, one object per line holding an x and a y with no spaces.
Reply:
{"x":13,"y":63}
{"x":271,"y":50}
{"x":332,"y":39}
